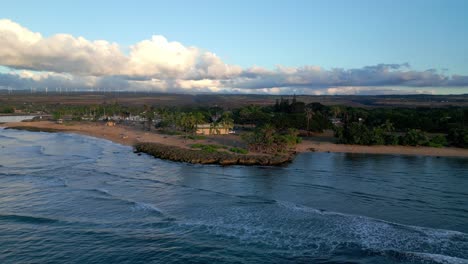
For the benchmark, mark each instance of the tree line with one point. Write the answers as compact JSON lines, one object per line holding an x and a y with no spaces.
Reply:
{"x":277,"y":126}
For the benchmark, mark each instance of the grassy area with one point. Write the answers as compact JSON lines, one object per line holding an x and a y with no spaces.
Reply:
{"x":209,"y":148}
{"x":239,"y":150}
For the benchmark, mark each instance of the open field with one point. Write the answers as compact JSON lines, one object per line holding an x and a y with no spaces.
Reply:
{"x":225,"y":100}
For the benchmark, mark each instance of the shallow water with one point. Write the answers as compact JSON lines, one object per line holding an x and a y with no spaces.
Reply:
{"x":75,"y":199}
{"x":14,"y":118}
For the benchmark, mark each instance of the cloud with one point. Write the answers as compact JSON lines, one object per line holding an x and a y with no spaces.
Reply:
{"x":21,"y":48}
{"x":158,"y":64}
{"x":316,"y":77}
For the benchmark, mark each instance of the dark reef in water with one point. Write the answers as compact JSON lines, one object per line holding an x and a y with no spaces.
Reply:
{"x":202,"y":157}
{"x":35,"y":129}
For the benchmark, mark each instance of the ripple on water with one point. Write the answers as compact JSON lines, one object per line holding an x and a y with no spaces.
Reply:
{"x":89,"y":200}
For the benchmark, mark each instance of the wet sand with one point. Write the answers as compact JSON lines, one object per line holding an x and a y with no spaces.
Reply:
{"x":124,"y":135}
{"x":130,"y":136}
{"x":396,"y":150}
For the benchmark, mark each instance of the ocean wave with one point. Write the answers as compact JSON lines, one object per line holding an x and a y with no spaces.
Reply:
{"x":27,"y":219}
{"x":303,"y":208}
{"x":134,"y":206}
{"x":300,"y":230}
{"x":436,"y":258}
{"x":102,"y":191}
{"x":39,"y":180}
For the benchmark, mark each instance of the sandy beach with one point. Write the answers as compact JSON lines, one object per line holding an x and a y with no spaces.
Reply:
{"x":395,"y":150}
{"x":130,"y":136}
{"x":124,"y":135}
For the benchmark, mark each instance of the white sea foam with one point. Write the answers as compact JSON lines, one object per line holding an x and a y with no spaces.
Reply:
{"x":102,"y":191}
{"x":301,"y":230}
{"x":437,"y":258}
{"x":140,"y":206}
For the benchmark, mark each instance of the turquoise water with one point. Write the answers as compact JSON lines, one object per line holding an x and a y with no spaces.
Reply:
{"x":75,"y":199}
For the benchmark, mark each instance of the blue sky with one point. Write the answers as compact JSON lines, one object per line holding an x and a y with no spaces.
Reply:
{"x":426,"y":34}
{"x":330,"y":34}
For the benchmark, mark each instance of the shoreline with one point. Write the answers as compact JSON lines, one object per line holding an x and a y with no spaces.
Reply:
{"x":315,"y":146}
{"x":132,"y":136}
{"x":167,"y":147}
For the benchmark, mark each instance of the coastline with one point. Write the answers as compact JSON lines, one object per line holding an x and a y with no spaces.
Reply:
{"x":168,"y":147}
{"x":382,"y":149}
{"x":131,"y":137}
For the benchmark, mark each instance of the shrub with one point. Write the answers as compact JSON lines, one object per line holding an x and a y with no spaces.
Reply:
{"x":239,"y":150}
{"x":392,"y":139}
{"x":415,"y":137}
{"x":458,"y":137}
{"x":438,"y":141}
{"x":209,"y":148}
{"x":7,"y":110}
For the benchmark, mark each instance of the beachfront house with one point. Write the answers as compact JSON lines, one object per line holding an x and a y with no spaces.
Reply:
{"x":212,"y":129}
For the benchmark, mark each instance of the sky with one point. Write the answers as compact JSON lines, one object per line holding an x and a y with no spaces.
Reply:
{"x":278,"y":47}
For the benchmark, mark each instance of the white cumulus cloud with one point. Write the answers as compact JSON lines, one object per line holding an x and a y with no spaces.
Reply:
{"x":161,"y":65}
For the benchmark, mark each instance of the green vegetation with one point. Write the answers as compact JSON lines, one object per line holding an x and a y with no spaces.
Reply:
{"x":268,"y":139}
{"x":7,"y":109}
{"x":284,"y":115}
{"x":458,"y":137}
{"x":216,"y":157}
{"x":401,"y":126}
{"x":275,"y":128}
{"x":57,"y":115}
{"x":239,"y":150}
{"x":208,"y":148}
{"x":211,"y":148}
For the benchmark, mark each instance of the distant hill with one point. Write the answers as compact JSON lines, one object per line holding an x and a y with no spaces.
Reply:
{"x":227,"y":100}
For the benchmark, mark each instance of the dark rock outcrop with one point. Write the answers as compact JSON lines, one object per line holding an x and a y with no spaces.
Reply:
{"x":35,"y":129}
{"x":202,"y":157}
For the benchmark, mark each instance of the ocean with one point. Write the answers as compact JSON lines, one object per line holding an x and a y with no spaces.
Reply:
{"x":68,"y":198}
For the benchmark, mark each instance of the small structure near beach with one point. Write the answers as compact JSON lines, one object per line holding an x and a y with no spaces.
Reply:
{"x":110,"y":123}
{"x":211,"y":129}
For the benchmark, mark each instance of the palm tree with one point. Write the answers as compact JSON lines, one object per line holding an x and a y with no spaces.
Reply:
{"x":309,"y":115}
{"x":149,"y":118}
{"x":149,"y":115}
{"x":336,"y":110}
{"x":214,"y":128}
{"x":189,"y":123}
{"x":198,"y":119}
{"x":268,"y":131}
{"x":227,"y":123}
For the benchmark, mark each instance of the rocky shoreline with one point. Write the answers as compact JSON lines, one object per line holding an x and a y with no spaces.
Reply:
{"x":130,"y":137}
{"x":179,"y":154}
{"x":201,"y":157}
